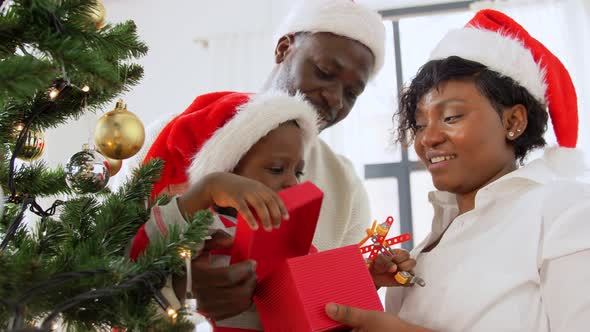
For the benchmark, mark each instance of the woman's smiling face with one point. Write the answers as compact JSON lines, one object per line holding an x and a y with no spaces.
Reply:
{"x":460,"y":138}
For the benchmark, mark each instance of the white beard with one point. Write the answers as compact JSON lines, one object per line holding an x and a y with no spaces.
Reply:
{"x":282,"y":79}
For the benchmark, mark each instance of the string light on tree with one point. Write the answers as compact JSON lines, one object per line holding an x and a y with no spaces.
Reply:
{"x":119,"y":134}
{"x":164,"y":304}
{"x":190,"y":303}
{"x":53,"y":93}
{"x":85,"y":88}
{"x":58,"y":86}
{"x":185,"y":253}
{"x":171,"y":313}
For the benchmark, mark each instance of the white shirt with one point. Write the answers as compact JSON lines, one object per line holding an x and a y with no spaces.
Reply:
{"x":519,"y":261}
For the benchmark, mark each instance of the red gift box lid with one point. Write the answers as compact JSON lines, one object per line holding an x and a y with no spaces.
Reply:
{"x":292,"y":239}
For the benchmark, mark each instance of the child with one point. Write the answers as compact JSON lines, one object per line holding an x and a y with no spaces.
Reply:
{"x":260,"y":139}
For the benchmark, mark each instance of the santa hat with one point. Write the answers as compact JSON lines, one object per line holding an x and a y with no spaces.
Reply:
{"x":340,"y":17}
{"x":218,"y":129}
{"x":498,"y":42}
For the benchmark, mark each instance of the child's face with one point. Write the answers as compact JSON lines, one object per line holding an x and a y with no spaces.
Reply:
{"x":277,"y":159}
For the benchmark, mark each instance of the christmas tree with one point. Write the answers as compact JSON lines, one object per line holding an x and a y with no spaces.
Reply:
{"x":58,"y":59}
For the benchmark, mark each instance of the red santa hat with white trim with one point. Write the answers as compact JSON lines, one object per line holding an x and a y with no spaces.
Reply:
{"x":341,"y":17}
{"x":504,"y":46}
{"x":218,"y":129}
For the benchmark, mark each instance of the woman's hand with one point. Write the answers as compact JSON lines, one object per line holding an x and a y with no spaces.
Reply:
{"x":385,"y":267}
{"x":368,"y":320}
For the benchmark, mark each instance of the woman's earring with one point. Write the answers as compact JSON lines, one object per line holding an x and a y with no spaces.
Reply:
{"x":510,"y":134}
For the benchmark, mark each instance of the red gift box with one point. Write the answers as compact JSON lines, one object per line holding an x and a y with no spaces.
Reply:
{"x":292,"y":239}
{"x":294,"y":286}
{"x":293,"y":297}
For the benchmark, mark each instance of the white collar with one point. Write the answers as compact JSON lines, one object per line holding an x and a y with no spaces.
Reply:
{"x":557,"y":163}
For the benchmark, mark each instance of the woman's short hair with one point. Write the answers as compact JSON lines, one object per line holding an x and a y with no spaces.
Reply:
{"x":501,"y":91}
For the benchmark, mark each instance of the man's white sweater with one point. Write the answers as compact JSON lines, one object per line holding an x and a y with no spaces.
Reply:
{"x":345,"y":209}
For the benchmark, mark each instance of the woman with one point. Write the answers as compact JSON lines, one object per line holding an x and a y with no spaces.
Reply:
{"x":509,"y":248}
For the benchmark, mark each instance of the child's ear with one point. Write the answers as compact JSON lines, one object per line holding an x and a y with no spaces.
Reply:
{"x":515,"y":120}
{"x":284,"y":47}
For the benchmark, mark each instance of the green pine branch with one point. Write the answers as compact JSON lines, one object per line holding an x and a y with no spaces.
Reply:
{"x":36,"y":179}
{"x":84,"y":239}
{"x":76,"y":242}
{"x":23,"y":76}
{"x":11,"y":32}
{"x":75,"y":261}
{"x":59,"y":35}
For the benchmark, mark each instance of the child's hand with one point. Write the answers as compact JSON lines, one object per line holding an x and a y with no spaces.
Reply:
{"x":231,"y":190}
{"x":385,"y":267}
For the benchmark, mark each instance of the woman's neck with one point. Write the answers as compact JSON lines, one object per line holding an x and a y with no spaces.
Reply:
{"x":466,"y":201}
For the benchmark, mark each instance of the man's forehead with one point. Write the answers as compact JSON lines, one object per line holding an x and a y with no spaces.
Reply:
{"x":325,"y":39}
{"x":340,"y":52}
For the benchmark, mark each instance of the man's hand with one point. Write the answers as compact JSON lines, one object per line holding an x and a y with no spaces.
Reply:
{"x":385,"y":267}
{"x":231,"y":190}
{"x":221,"y":292}
{"x":368,"y":320}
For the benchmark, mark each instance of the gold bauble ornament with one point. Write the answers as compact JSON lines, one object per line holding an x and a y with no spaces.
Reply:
{"x":33,"y":146}
{"x":98,"y":15}
{"x":114,"y":165}
{"x":119,"y":134}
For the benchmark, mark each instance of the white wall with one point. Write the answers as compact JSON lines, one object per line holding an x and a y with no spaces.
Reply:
{"x":179,"y":66}
{"x":193,"y":46}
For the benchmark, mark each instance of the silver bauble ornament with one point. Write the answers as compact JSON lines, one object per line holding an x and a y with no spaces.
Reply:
{"x":87,"y":172}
